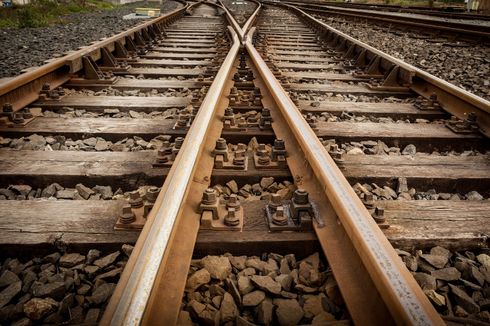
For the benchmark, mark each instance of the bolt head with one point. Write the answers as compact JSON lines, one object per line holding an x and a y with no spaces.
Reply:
{"x":300,"y":196}
{"x":209,"y":196}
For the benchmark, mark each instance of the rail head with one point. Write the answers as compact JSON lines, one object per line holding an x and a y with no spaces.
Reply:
{"x":399,"y":290}
{"x":453,"y":99}
{"x":129,"y":307}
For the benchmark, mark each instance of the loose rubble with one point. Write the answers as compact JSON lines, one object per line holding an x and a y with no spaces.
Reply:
{"x":59,"y":288}
{"x":403,"y":192}
{"x":268,"y":290}
{"x":378,"y":147}
{"x":92,"y":144}
{"x":456,"y":283}
{"x":57,"y":192}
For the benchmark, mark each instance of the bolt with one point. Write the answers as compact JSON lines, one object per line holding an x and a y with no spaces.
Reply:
{"x":127,"y":216}
{"x":18,"y":118}
{"x":300,"y":196}
{"x":135,"y":199}
{"x":152,"y":194}
{"x":209,"y":197}
{"x":266,"y":112}
{"x":379,"y":215}
{"x":54,"y":95}
{"x":233,"y":202}
{"x":45,"y":87}
{"x":61,"y":91}
{"x":279,"y":217}
{"x":231,"y":219}
{"x":147,"y":209}
{"x":229,"y":113}
{"x":221,"y":144}
{"x":178,"y":142}
{"x":7,"y":107}
{"x":471,"y":118}
{"x":276,"y":201}
{"x":26,"y":114}
{"x":279,"y":144}
{"x":368,"y":200}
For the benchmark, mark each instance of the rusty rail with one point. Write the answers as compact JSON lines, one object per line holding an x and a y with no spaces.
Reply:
{"x":127,"y":306}
{"x":399,"y":290}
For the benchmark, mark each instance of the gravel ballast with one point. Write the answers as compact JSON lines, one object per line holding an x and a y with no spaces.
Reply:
{"x":30,"y":47}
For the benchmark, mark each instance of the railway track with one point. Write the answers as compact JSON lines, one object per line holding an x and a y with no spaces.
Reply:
{"x":456,"y":29}
{"x":311,"y":197}
{"x":444,"y":12}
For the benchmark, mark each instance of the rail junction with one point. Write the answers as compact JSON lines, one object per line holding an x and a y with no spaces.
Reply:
{"x":268,"y":168}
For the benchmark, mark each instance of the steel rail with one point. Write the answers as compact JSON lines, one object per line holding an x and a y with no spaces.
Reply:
{"x":428,"y":11}
{"x":130,"y":307}
{"x":453,"y":99}
{"x":407,"y":303}
{"x":420,"y":22}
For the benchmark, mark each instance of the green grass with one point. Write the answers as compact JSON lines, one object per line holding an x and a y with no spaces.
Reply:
{"x":40,"y":13}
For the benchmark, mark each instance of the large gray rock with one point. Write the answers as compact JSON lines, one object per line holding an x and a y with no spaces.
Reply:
{"x":426,"y":281}
{"x":464,"y":300}
{"x":37,"y":308}
{"x":252,"y":299}
{"x":107,"y":260}
{"x":264,"y":312}
{"x":266,"y":283}
{"x":70,"y":260}
{"x":238,"y":262}
{"x":55,"y":290}
{"x":197,"y":279}
{"x":288,"y":312}
{"x":245,"y":285}
{"x":218,"y":267}
{"x":102,"y":293}
{"x":9,"y":293}
{"x":438,"y":261}
{"x":446,"y":274}
{"x":8,"y":278}
{"x":228,"y":310}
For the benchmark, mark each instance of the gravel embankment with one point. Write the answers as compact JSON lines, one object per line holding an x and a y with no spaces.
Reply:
{"x":464,"y":65}
{"x":30,"y":47}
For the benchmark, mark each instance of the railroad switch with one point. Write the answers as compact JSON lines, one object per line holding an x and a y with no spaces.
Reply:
{"x":466,"y":126}
{"x":233,"y":158}
{"x":135,"y":211}
{"x":167,"y":153}
{"x":291,"y":215}
{"x":220,"y":214}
